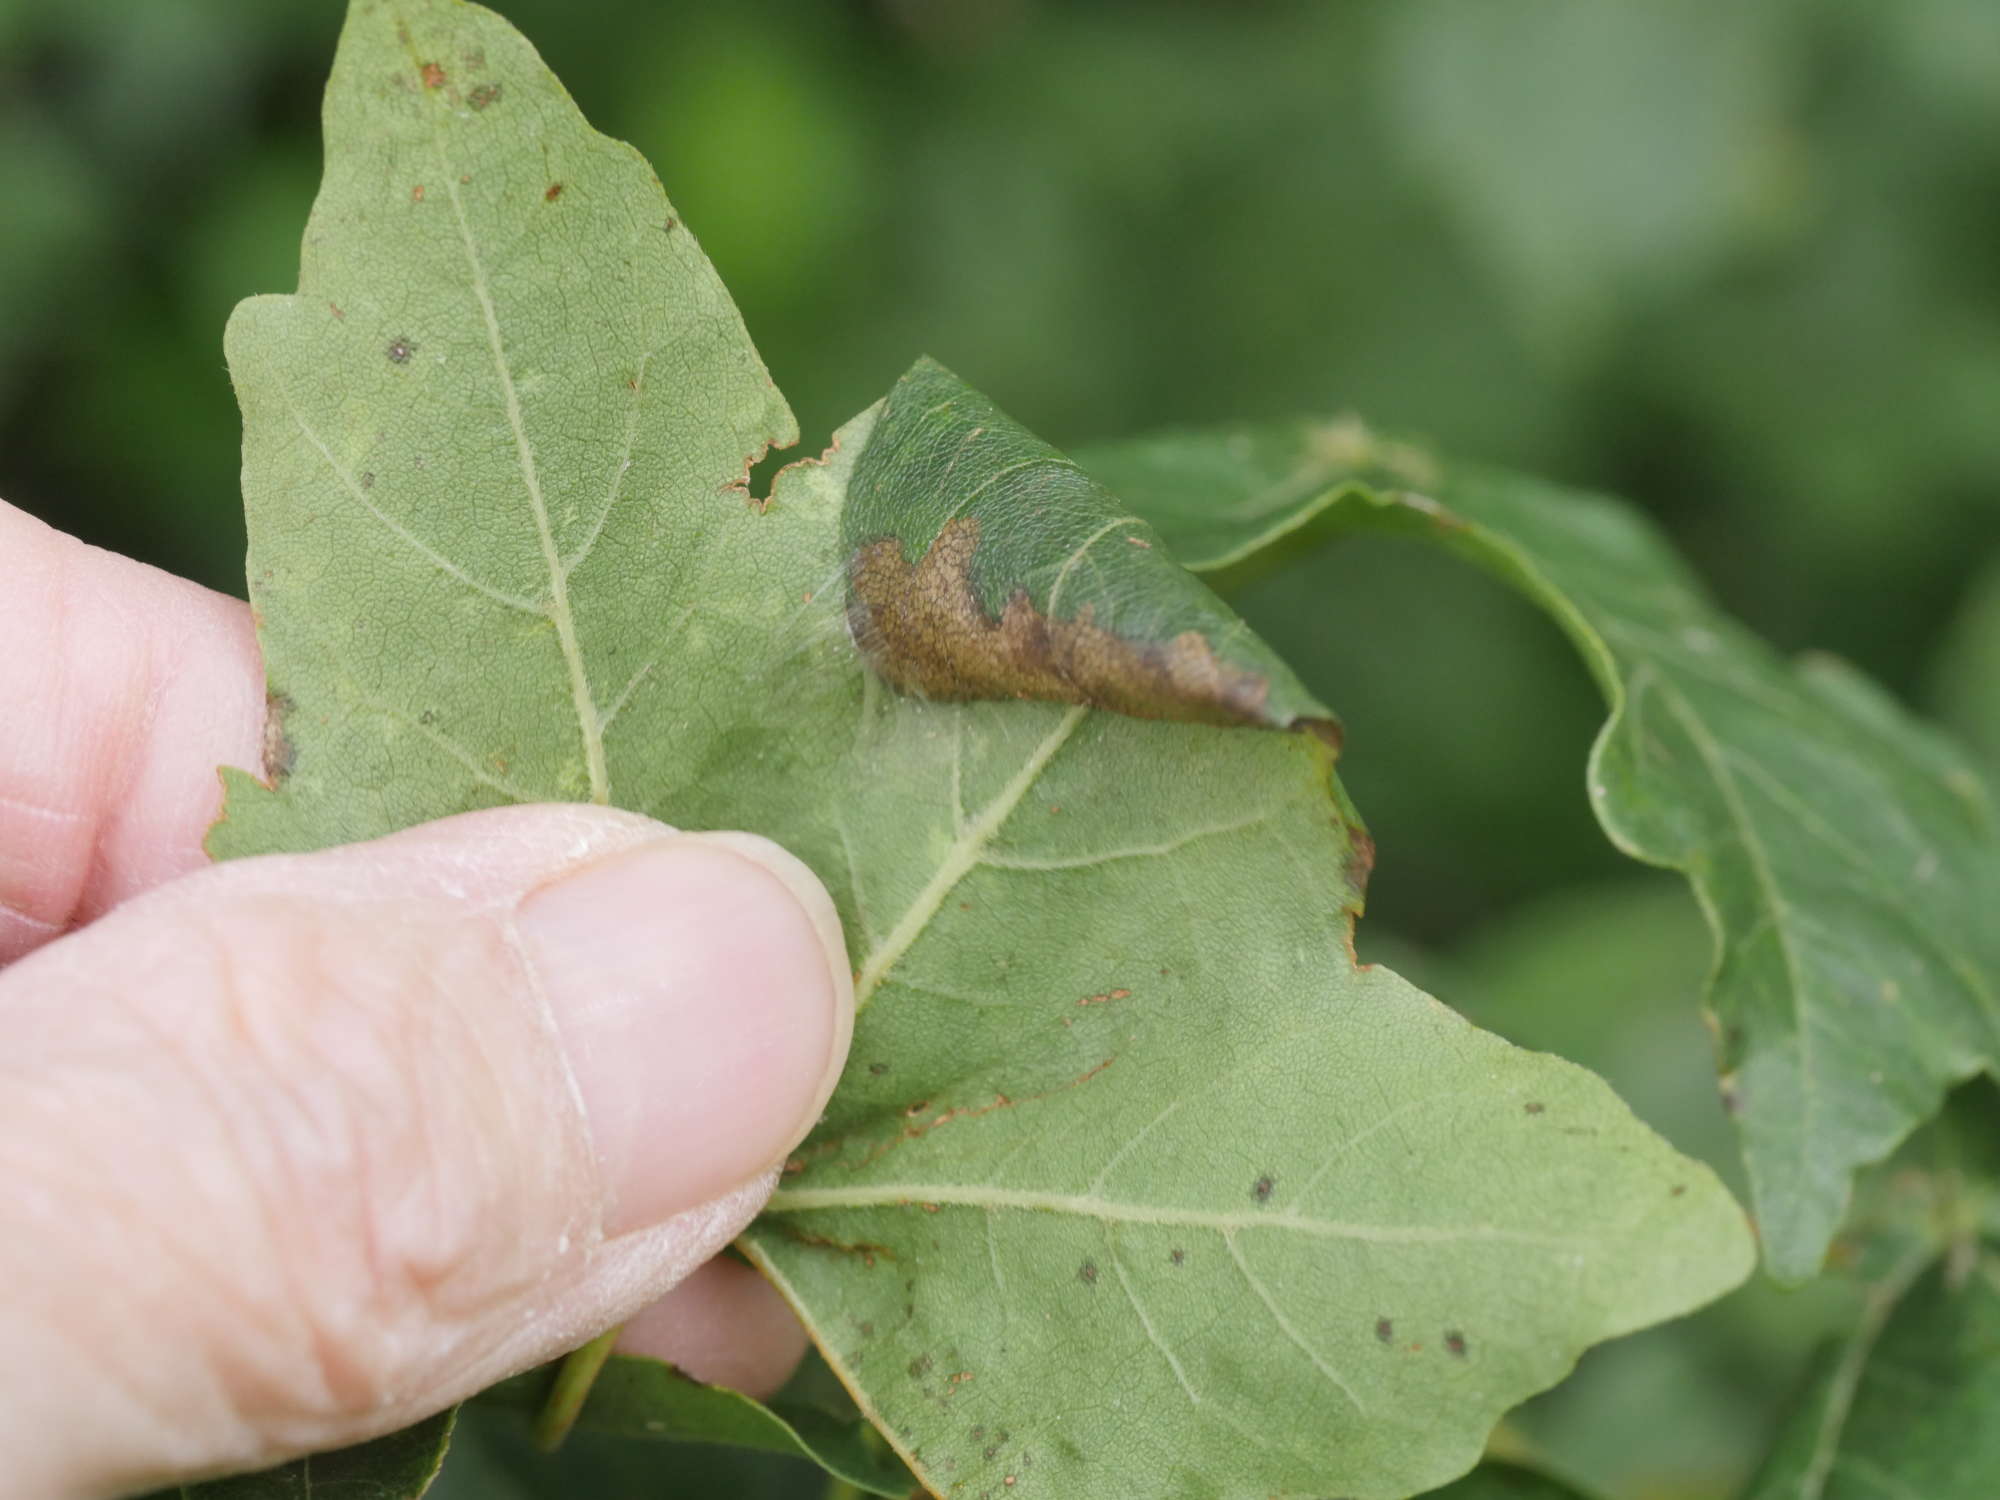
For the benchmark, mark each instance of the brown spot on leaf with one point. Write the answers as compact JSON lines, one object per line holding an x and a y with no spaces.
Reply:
{"x":1732,"y":1094}
{"x":920,"y":1367}
{"x":368,"y":479}
{"x":1261,"y":1189}
{"x":1676,"y":1190}
{"x":1385,"y":1330}
{"x":1177,"y":1256}
{"x":279,"y":752}
{"x":1534,"y":1107}
{"x":417,"y":193}
{"x":485,"y":94}
{"x":1360,"y":846}
{"x":554,"y":192}
{"x":1087,"y":1273}
{"x":334,"y":308}
{"x":1455,"y":1342}
{"x":400,"y":350}
{"x":924,"y":629}
{"x":432,"y":75}
{"x":671,"y":225}
{"x":878,"y":1068}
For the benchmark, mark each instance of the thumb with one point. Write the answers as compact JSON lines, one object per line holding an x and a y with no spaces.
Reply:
{"x":300,"y":1149}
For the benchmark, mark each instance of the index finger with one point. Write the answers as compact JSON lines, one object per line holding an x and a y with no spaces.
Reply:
{"x":122,"y":689}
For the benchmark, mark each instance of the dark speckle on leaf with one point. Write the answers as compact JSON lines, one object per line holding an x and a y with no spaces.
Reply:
{"x":485,"y":94}
{"x":368,"y":479}
{"x":1087,"y":1273}
{"x":920,"y":1366}
{"x":554,"y":192}
{"x":878,"y":1068}
{"x":671,"y":225}
{"x":1384,"y":1330}
{"x":1455,"y":1342}
{"x":400,"y":350}
{"x":1177,"y":1255}
{"x":1533,"y":1107}
{"x":1261,"y":1189}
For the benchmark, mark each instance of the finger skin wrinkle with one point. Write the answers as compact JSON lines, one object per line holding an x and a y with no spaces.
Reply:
{"x":124,"y":690}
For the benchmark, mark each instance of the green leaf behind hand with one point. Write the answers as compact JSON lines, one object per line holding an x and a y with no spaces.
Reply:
{"x":644,"y":1398}
{"x":400,"y":1466}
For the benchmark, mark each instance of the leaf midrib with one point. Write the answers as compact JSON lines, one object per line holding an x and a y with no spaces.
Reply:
{"x":924,"y":1196}
{"x":560,"y":612}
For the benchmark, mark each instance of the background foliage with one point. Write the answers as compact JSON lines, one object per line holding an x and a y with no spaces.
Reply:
{"x":1734,"y":262}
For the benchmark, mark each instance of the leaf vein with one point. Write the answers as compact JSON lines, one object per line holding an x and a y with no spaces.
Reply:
{"x":560,"y":611}
{"x":1003,"y":861}
{"x":394,"y":527}
{"x":1285,"y":1327}
{"x":960,"y":858}
{"x":993,"y":1199}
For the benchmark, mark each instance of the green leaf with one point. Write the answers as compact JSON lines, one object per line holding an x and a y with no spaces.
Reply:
{"x":644,"y":1398}
{"x":1845,"y":854}
{"x":500,"y":551}
{"x":502,"y":330}
{"x":400,"y":1466}
{"x":1909,"y":1403}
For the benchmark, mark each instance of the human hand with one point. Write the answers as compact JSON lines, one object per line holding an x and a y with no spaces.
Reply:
{"x":297,"y":1150}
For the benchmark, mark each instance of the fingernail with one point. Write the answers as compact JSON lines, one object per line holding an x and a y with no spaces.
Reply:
{"x":701,"y":991}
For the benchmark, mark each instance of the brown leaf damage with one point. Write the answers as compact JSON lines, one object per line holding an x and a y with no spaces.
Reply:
{"x":925,"y":630}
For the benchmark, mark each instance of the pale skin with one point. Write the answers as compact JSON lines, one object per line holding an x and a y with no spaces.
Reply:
{"x":294,"y":1151}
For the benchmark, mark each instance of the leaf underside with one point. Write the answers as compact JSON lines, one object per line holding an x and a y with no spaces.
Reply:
{"x":1845,"y":854}
{"x":1136,"y":1183}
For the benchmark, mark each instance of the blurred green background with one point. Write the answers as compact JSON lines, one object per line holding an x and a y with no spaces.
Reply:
{"x":1738,"y":260}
